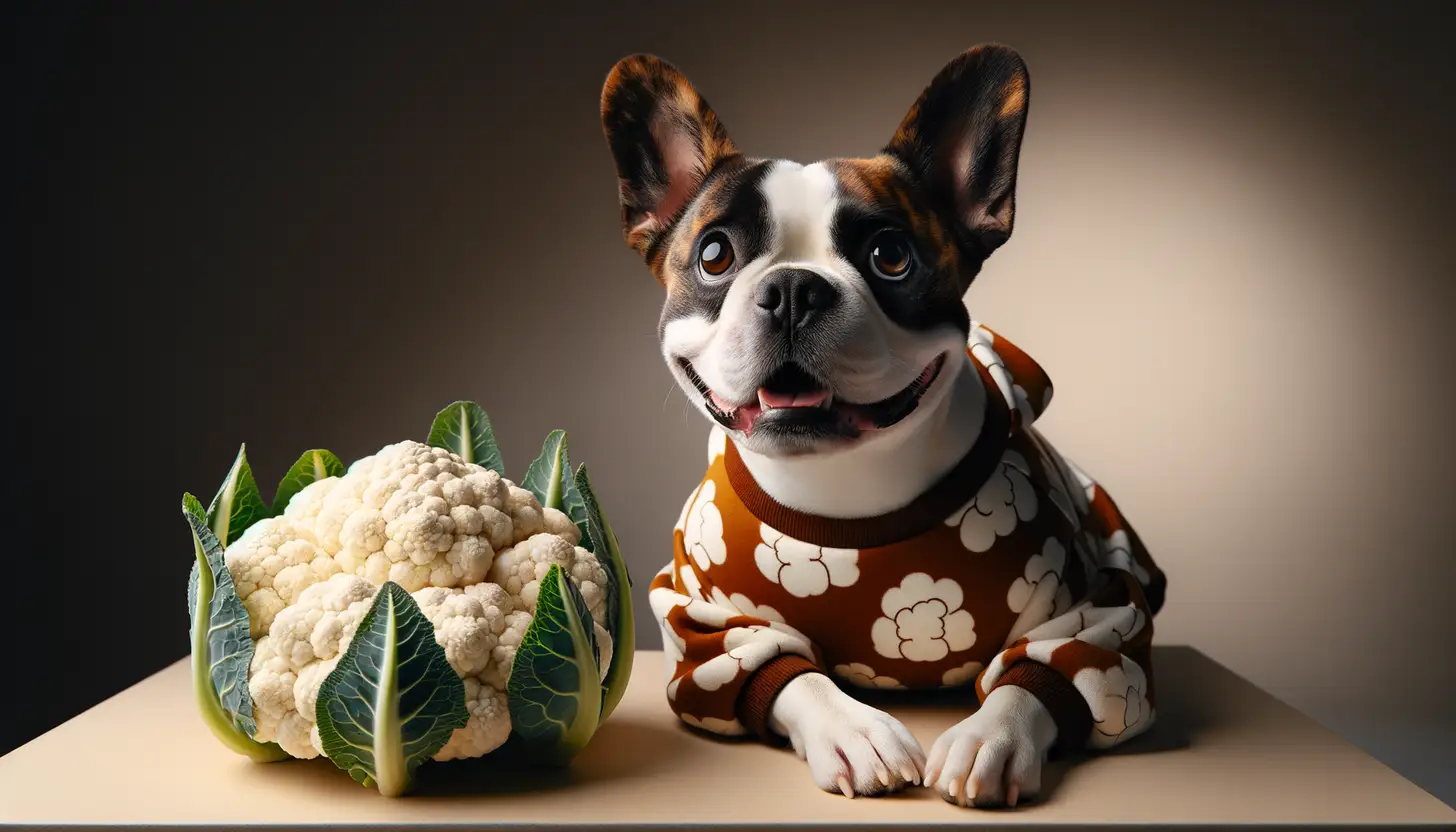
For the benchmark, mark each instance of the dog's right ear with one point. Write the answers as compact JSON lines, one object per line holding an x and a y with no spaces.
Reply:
{"x":665,"y":140}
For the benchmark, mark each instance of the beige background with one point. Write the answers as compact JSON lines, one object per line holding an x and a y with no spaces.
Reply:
{"x":1232,"y":255}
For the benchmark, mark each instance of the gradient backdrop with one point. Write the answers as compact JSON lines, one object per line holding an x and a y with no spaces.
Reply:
{"x":1233,"y":255}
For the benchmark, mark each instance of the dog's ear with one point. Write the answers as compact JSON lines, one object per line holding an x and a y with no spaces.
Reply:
{"x":963,"y":136}
{"x":665,"y":140}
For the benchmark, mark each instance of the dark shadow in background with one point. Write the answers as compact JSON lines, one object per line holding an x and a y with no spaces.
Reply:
{"x":299,"y":229}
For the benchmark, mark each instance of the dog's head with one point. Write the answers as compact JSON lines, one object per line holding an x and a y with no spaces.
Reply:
{"x":813,"y":307}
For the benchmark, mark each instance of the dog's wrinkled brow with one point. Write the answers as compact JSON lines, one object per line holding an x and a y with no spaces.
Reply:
{"x":879,"y":192}
{"x":734,"y":198}
{"x":731,"y":199}
{"x":729,"y":195}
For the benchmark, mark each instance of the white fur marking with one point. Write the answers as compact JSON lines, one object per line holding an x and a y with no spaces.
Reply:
{"x":802,"y":200}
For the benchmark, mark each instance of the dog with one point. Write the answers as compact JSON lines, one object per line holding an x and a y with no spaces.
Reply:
{"x":879,"y":509}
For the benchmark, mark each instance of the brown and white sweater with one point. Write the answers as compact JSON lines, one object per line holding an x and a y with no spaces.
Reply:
{"x":1015,"y":569}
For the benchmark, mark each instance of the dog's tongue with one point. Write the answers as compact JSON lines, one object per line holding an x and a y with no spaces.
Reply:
{"x":744,"y":415}
{"x":767,"y":399}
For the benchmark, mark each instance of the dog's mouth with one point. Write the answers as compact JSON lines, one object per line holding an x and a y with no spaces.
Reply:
{"x":793,"y":401}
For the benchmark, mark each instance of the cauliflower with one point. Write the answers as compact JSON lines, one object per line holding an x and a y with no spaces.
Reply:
{"x":375,"y":614}
{"x":469,"y":546}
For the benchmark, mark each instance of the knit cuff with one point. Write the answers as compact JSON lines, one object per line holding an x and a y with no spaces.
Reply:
{"x":756,"y":698}
{"x":1063,"y":701}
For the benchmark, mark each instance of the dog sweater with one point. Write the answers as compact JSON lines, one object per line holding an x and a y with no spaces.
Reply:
{"x":1016,"y":568}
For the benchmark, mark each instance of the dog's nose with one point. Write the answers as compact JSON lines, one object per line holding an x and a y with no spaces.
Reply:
{"x":790,"y":298}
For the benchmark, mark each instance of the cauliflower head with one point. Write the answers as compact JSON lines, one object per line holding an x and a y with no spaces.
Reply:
{"x":469,"y":545}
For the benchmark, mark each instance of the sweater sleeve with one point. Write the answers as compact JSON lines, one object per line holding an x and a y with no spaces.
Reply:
{"x":1091,"y":666}
{"x":725,"y":659}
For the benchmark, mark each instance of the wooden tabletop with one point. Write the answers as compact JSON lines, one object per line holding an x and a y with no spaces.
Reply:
{"x":1222,"y":753}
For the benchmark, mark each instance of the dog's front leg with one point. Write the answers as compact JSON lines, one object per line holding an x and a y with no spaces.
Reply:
{"x":994,"y":757}
{"x":851,"y":748}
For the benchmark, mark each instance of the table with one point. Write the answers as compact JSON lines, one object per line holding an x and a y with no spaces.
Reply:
{"x":1223,"y":753}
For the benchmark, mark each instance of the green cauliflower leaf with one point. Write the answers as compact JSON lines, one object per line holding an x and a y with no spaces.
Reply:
{"x":555,"y":692}
{"x":393,"y":700}
{"x":221,"y":647}
{"x":603,"y":544}
{"x":312,"y":466}
{"x":238,"y":503}
{"x":464,"y":429}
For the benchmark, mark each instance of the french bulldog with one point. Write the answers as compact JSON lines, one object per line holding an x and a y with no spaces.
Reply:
{"x":879,"y":510}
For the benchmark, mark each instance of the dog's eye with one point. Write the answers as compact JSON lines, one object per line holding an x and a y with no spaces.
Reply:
{"x":715,"y":256}
{"x":891,"y":255}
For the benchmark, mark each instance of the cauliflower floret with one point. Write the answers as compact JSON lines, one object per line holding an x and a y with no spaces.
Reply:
{"x":302,"y":729}
{"x":498,"y":672}
{"x":295,"y":735}
{"x":488,"y":728}
{"x":526,"y":515}
{"x":468,"y":624}
{"x":591,"y":578}
{"x":496,"y":527}
{"x":559,"y":524}
{"x":271,"y":563}
{"x":262,"y":606}
{"x":320,"y":624}
{"x":271,"y":685}
{"x":604,"y":649}
{"x":520,"y":569}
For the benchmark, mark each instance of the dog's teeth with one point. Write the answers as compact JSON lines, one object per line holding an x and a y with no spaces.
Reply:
{"x":763,"y":403}
{"x":828,"y":402}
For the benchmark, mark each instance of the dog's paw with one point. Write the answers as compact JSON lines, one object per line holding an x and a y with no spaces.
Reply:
{"x":851,"y":748}
{"x":993,"y":757}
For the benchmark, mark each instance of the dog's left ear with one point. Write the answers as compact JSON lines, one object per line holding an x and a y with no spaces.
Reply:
{"x":665,"y":140}
{"x":963,"y":136}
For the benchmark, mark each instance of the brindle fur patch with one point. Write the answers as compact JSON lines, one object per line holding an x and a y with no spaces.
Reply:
{"x":883,"y":185}
{"x":1013,"y":97}
{"x":882,"y":192}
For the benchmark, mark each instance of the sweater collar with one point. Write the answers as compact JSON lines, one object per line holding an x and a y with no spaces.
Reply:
{"x":922,"y":514}
{"x":1023,"y":385}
